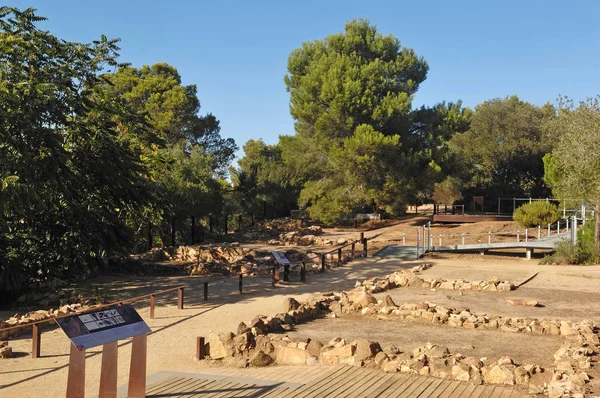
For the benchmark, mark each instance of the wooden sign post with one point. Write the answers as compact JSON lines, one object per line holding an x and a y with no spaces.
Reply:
{"x":106,"y":327}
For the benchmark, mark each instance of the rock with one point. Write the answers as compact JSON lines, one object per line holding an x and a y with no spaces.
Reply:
{"x":242,"y":328}
{"x":388,"y":302}
{"x":566,"y":329}
{"x":500,"y":374}
{"x":505,"y":361}
{"x":390,"y":366}
{"x":522,"y":376}
{"x":217,"y":349}
{"x":521,"y":301}
{"x":380,"y":358}
{"x":260,"y":359}
{"x":6,"y":352}
{"x":341,"y":241}
{"x":242,"y":363}
{"x":364,"y":299}
{"x":314,"y":348}
{"x":391,"y":350}
{"x":292,"y":356}
{"x":460,"y":372}
{"x":366,"y":349}
{"x":290,"y":304}
{"x":338,"y":356}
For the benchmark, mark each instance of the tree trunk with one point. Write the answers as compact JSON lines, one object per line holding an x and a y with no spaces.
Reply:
{"x":597,"y":232}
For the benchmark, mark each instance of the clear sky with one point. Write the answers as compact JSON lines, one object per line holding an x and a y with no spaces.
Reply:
{"x":236,"y":51}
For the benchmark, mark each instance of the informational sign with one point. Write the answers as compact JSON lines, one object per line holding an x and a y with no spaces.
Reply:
{"x":280,"y":258}
{"x":103,"y":326}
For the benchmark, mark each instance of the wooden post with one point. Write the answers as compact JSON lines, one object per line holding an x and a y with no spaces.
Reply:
{"x":322,"y":263}
{"x":205,"y":291}
{"x":193,"y":230}
{"x":150,"y":235}
{"x":286,"y":273}
{"x":365,"y":247}
{"x":180,"y":298}
{"x":152,"y":304}
{"x":275,"y":275}
{"x":200,"y":348}
{"x":353,"y":251}
{"x":241,"y":284}
{"x":108,"y":370}
{"x":36,"y":340}
{"x":339,"y":257}
{"x":362,"y":236}
{"x":303,"y":272}
{"x":173,"y":231}
{"x":137,"y":368}
{"x":76,"y":374}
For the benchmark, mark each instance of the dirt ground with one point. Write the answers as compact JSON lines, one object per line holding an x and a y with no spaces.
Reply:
{"x":565,"y":292}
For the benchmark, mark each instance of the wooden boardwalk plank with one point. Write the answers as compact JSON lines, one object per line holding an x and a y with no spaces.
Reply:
{"x":426,"y":381}
{"x":367,"y":389}
{"x":445,"y":386}
{"x":178,"y":386}
{"x":307,"y":388}
{"x":477,"y":392}
{"x":458,"y":392}
{"x":336,"y":383}
{"x":405,"y":391}
{"x":394,"y":378}
{"x":364,"y":378}
{"x":431,"y":388}
{"x":400,"y":385}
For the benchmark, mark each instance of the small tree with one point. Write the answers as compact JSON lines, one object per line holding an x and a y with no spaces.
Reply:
{"x":447,"y":191}
{"x":536,"y":213}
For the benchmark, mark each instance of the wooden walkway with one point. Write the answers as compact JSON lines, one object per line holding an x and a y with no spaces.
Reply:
{"x":316,"y":382}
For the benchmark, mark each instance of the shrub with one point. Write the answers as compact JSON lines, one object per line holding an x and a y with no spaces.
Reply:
{"x":565,"y":253}
{"x":536,"y":213}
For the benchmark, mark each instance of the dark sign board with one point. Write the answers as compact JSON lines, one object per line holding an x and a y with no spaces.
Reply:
{"x":103,"y":326}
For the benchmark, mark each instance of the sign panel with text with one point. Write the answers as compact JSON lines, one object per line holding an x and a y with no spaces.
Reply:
{"x":104,"y":326}
{"x":280,"y":258}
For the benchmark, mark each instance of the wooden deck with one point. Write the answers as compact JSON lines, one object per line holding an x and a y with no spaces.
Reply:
{"x":317,"y":381}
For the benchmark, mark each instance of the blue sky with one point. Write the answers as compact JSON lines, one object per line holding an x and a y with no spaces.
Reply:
{"x":236,"y":51}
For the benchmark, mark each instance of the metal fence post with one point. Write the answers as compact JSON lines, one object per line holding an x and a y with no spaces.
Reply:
{"x":489,"y":237}
{"x":539,"y":231}
{"x":463,"y":238}
{"x":418,"y":241}
{"x":526,"y":234}
{"x":548,"y":229}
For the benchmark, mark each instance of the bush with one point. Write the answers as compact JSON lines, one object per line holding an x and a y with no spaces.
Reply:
{"x":536,"y":213}
{"x":565,"y":253}
{"x":586,"y":251}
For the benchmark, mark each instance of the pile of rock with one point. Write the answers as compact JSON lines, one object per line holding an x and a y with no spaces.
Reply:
{"x":572,"y":361}
{"x":230,"y":259}
{"x":407,"y":277}
{"x":5,"y":350}
{"x":35,"y":316}
{"x":301,"y":237}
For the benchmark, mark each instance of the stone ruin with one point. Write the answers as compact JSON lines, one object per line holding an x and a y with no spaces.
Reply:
{"x":260,"y":342}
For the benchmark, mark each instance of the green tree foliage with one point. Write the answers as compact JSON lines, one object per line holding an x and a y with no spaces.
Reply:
{"x":501,"y":154}
{"x":447,"y":192}
{"x":358,"y":144}
{"x":69,"y":183}
{"x":184,"y":151}
{"x":574,"y":165}
{"x":538,"y":213}
{"x":263,"y":177}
